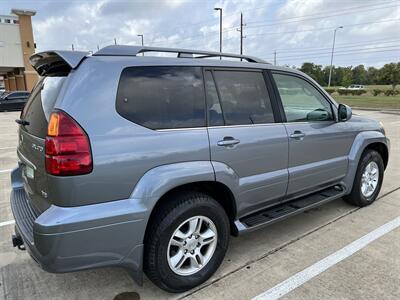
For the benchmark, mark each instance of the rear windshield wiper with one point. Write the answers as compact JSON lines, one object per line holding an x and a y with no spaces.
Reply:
{"x":22,"y":122}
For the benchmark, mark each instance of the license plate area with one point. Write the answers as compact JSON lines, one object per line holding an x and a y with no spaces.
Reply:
{"x":29,"y":172}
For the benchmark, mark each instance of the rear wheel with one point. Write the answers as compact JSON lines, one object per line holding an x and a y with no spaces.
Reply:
{"x":368,"y":180}
{"x":186,"y":241}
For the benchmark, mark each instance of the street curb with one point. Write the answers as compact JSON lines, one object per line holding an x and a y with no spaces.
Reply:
{"x":390,"y":110}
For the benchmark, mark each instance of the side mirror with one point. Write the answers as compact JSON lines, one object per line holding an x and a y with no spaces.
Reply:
{"x":344,"y":113}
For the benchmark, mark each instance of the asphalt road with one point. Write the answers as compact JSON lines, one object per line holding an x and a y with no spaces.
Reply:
{"x":333,"y":252}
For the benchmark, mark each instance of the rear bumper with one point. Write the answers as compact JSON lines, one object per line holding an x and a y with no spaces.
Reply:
{"x":66,"y":239}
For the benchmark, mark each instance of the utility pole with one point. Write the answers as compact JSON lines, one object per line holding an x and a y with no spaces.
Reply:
{"x":333,"y":49}
{"x":72,"y":47}
{"x":220,"y":29}
{"x":275,"y":58}
{"x":141,"y":35}
{"x":241,"y":34}
{"x":115,"y":41}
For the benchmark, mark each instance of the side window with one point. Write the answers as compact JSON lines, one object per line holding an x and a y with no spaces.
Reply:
{"x":244,"y":97}
{"x":301,"y":101}
{"x":162,"y":97}
{"x":215,"y":117}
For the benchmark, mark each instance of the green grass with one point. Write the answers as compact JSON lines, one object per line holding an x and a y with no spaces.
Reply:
{"x":367,"y":101}
{"x":371,"y":87}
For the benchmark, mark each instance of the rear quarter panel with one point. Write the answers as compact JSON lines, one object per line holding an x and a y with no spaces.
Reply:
{"x":122,"y":151}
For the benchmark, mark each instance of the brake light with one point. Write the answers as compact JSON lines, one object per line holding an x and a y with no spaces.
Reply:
{"x":67,"y":147}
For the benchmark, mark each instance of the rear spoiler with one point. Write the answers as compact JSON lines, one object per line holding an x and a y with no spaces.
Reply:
{"x":56,"y":62}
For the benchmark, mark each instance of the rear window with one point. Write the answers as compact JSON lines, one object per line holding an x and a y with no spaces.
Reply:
{"x":40,"y":105}
{"x":162,"y":97}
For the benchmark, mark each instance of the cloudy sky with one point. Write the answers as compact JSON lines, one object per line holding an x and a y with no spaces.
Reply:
{"x":298,"y":30}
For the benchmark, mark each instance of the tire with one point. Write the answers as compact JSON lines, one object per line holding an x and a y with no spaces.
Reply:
{"x":159,"y":249}
{"x":357,"y":197}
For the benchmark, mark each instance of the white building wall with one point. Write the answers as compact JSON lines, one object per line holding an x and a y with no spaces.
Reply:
{"x":10,"y":46}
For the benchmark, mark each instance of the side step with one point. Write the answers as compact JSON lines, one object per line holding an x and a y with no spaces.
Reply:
{"x":282,"y":211}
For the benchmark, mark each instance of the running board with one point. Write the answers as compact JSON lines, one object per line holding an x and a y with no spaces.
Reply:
{"x":280,"y":212}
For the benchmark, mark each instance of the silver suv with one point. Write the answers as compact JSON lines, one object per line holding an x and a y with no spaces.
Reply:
{"x":152,"y":163}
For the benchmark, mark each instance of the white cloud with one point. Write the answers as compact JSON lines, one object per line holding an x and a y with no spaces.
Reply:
{"x":291,"y":27}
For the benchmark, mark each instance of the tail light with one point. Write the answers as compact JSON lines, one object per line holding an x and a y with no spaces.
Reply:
{"x":67,"y":147}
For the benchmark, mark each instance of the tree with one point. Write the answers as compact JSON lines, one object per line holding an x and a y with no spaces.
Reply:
{"x":372,"y":75}
{"x":347,"y":78}
{"x":314,"y":71}
{"x":359,"y":75}
{"x":390,"y":74}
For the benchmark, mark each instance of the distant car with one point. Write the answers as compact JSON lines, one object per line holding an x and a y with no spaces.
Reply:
{"x":3,"y":93}
{"x":354,"y":87}
{"x":13,"y":101}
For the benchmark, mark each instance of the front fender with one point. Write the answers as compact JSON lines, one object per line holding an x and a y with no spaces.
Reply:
{"x":157,"y":181}
{"x":361,"y":142}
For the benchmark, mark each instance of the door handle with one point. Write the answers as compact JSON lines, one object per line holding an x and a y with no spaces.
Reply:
{"x":298,"y":135}
{"x":228,"y":141}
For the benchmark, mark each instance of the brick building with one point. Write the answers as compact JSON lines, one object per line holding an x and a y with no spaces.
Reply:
{"x":16,"y":46}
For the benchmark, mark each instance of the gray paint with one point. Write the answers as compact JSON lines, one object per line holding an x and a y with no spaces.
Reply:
{"x":99,"y":219}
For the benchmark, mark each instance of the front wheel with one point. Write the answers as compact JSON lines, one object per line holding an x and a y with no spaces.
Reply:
{"x":368,"y":180}
{"x":186,"y":241}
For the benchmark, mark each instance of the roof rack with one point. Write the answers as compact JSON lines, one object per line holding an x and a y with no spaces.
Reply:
{"x":125,"y":50}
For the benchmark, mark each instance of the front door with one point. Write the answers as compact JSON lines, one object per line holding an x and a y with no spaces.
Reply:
{"x":245,"y":139}
{"x":318,"y":147}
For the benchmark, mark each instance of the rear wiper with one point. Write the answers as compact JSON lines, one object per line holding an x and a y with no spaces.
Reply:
{"x":22,"y":122}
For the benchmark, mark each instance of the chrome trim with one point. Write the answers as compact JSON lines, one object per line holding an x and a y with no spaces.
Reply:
{"x":25,"y":160}
{"x":180,"y":129}
{"x":244,"y":125}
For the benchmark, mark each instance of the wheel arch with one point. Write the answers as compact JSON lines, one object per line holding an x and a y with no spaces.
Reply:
{"x":381,"y":148}
{"x":365,"y":140}
{"x":217,"y":190}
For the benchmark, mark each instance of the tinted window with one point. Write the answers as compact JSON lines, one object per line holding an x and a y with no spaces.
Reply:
{"x":40,"y":105}
{"x":162,"y":97}
{"x":19,"y":95}
{"x":244,"y":97}
{"x":301,"y":101}
{"x":215,"y":117}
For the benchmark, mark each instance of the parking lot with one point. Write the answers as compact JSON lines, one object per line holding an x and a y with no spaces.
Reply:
{"x":336,"y":251}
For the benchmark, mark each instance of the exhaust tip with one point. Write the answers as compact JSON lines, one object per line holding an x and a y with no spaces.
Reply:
{"x":18,"y":242}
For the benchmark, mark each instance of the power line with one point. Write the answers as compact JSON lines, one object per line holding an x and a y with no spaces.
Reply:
{"x":344,"y":51}
{"x":339,"y":54}
{"x":330,"y":14}
{"x":340,"y":51}
{"x":199,"y":36}
{"x":345,"y":45}
{"x":321,"y":29}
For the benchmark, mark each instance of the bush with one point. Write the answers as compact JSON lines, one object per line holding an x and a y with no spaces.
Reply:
{"x":330,"y":91}
{"x":391,"y":92}
{"x":377,"y":92}
{"x":343,"y":92}
{"x":352,"y":92}
{"x":358,"y":92}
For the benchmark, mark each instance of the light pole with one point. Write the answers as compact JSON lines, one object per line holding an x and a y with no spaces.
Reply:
{"x":220,"y":29}
{"x":141,"y":35}
{"x":333,"y":49}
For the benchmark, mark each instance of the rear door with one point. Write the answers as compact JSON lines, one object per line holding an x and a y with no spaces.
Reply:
{"x":318,"y":146}
{"x":31,"y":151}
{"x":246,"y":136}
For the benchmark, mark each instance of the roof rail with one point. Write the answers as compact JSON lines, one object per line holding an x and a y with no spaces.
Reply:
{"x":125,"y":50}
